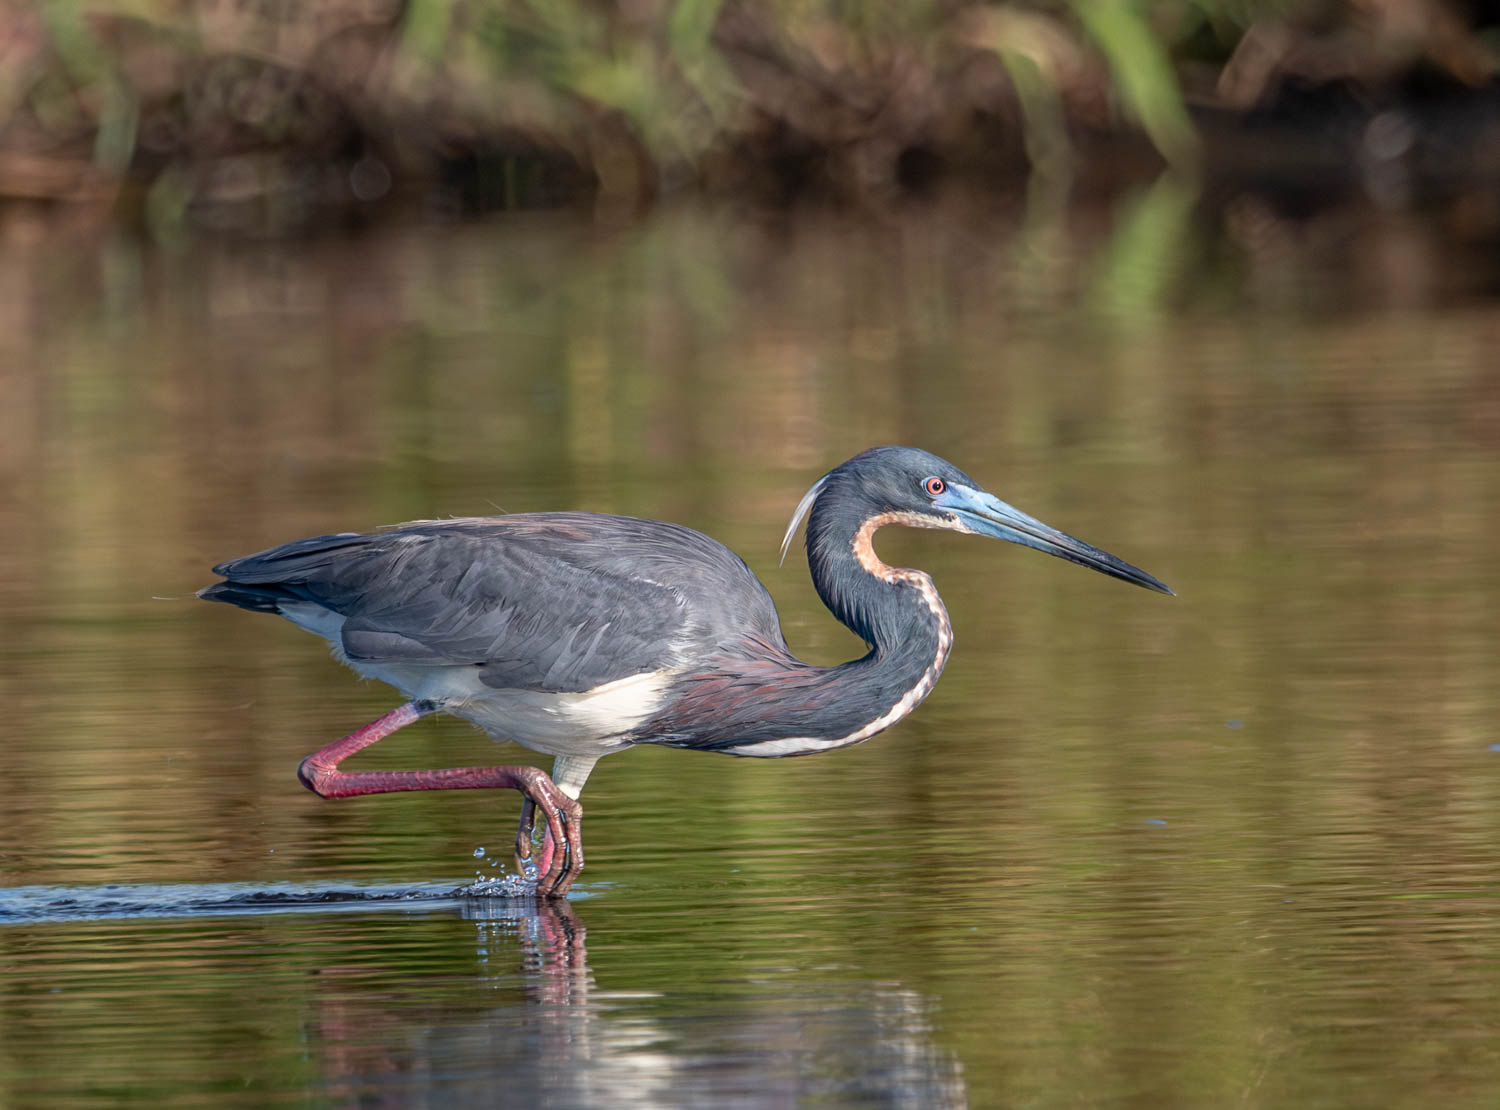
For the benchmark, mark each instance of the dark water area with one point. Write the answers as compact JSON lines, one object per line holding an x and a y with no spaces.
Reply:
{"x":1237,"y":847}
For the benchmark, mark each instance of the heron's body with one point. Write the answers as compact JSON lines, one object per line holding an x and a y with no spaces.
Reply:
{"x":582,"y":634}
{"x":660,"y":634}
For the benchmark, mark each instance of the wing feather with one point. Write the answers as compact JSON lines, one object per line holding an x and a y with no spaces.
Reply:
{"x":548,"y":602}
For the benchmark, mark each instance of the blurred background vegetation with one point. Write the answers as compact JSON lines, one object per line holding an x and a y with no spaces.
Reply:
{"x":279,"y":111}
{"x":1210,"y":282}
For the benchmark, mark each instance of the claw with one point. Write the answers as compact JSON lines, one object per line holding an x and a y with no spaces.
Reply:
{"x":561,"y":856}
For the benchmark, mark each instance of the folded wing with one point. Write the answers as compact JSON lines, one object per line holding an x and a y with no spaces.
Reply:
{"x":550,"y":602}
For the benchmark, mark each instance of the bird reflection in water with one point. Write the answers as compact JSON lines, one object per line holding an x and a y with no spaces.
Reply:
{"x":533,"y":1023}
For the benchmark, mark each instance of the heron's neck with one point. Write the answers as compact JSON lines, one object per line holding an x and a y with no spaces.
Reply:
{"x":896,"y":611}
{"x":887,"y":607}
{"x":760,"y":701}
{"x":808,"y":709}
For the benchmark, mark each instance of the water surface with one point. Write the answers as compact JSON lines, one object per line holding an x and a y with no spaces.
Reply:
{"x":1237,"y":847}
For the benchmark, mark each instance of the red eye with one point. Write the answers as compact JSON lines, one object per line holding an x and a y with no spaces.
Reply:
{"x":934,"y":486}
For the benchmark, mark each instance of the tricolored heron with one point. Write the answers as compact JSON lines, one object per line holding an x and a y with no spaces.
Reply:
{"x":582,"y":634}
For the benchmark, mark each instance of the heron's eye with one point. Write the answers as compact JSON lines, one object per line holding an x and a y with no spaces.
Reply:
{"x":934,"y":486}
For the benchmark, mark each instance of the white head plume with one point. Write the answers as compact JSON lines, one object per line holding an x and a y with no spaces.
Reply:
{"x":803,"y":507}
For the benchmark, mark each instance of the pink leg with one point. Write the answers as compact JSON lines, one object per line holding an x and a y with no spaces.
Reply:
{"x":523,"y":841}
{"x":546,"y":852}
{"x":319,"y":773}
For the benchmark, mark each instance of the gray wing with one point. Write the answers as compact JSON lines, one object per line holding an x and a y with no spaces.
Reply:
{"x":555,"y":601}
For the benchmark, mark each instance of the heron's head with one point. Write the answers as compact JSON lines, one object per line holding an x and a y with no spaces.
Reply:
{"x":905,"y":485}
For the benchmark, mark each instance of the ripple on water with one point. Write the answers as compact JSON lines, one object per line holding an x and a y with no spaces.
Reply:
{"x":35,"y":904}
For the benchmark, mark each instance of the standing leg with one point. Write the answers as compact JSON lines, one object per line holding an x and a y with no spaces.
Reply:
{"x":319,"y":773}
{"x":569,"y":773}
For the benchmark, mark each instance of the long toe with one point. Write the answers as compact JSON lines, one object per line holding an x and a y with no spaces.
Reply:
{"x":523,"y":833}
{"x":573,"y":831}
{"x":561,"y":856}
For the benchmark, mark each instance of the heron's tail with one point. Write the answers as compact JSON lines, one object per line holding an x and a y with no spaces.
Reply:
{"x":259,"y":599}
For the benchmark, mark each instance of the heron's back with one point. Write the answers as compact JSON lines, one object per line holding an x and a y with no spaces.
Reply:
{"x":561,"y":602}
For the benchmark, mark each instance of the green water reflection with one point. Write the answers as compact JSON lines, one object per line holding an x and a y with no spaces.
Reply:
{"x":1236,"y":846}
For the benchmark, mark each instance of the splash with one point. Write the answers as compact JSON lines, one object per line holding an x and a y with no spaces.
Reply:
{"x":500,"y":886}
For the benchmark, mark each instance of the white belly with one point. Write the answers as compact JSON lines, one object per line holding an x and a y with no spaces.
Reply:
{"x":589,"y":723}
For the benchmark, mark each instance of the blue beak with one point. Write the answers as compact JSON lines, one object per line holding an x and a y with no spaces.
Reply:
{"x":986,"y":515}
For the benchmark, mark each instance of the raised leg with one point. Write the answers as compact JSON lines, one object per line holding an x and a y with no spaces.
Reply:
{"x":564,"y":816}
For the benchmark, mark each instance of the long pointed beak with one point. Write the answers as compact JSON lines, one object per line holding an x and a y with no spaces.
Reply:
{"x":986,"y":515}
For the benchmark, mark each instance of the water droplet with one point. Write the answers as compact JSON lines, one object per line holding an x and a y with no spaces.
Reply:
{"x":479,"y":852}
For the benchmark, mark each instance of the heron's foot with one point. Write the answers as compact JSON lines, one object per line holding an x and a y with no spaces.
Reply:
{"x":560,"y":858}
